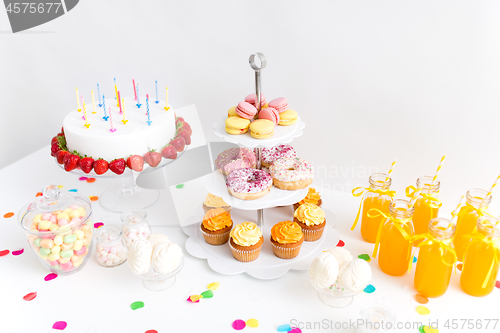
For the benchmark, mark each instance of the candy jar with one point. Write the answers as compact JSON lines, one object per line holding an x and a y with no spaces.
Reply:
{"x":59,"y":229}
{"x":394,"y":238}
{"x":481,"y":258}
{"x":427,"y":204}
{"x":476,"y":204}
{"x":111,"y":247}
{"x":435,"y":258}
{"x":377,"y":196}
{"x":135,"y":225}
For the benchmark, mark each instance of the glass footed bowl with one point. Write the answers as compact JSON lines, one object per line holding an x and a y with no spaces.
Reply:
{"x":336,"y":297}
{"x":158,"y":282}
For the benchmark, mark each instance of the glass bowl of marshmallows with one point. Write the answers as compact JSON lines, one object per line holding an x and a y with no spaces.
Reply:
{"x":338,"y":277}
{"x":156,"y":261}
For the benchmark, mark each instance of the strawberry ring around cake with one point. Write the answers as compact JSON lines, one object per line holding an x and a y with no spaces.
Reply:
{"x":249,"y":184}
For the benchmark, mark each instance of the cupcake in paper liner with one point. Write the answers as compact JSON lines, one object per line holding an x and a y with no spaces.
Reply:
{"x":312,"y":220}
{"x":216,"y":226}
{"x":246,"y":241}
{"x":312,"y":197}
{"x":286,"y":239}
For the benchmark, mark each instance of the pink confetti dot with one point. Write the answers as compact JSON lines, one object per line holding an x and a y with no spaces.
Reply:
{"x":295,"y":330}
{"x":30,"y":296}
{"x":190,"y":300}
{"x":4,"y":253}
{"x":497,"y":284}
{"x":340,"y":243}
{"x":50,"y":276}
{"x":239,"y":324}
{"x":59,"y":325}
{"x":98,"y":225}
{"x":18,"y":252}
{"x":83,"y":178}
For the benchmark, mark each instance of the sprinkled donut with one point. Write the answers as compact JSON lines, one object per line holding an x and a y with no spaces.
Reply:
{"x":271,"y":154}
{"x":249,"y":184}
{"x":234,"y":159}
{"x":291,"y":173}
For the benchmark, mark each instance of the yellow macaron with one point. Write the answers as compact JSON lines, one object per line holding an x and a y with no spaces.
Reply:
{"x":288,"y":117}
{"x":236,"y":125}
{"x":262,"y":129}
{"x":232,"y":112}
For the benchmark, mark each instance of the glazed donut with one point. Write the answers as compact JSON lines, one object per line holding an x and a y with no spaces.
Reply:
{"x":291,"y":173}
{"x":234,"y":159}
{"x":271,"y":154}
{"x":249,"y":184}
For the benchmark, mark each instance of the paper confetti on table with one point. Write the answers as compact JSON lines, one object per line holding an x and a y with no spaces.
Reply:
{"x":137,"y":305}
{"x":295,"y":330}
{"x":151,"y":331}
{"x":191,"y":300}
{"x":497,"y":284}
{"x":421,"y":299}
{"x":459,"y":266}
{"x":213,"y":286}
{"x":238,"y":324}
{"x":179,"y":186}
{"x":18,"y":252}
{"x":369,"y":289}
{"x":252,"y":323}
{"x":82,"y":178}
{"x":340,"y":243}
{"x":428,"y":329}
{"x":94,"y":198}
{"x":50,"y":276}
{"x":421,"y":329}
{"x":207,"y":294}
{"x":30,"y":296}
{"x":59,"y":325}
{"x":38,"y":194}
{"x":4,"y":253}
{"x":90,"y":180}
{"x":60,"y":186}
{"x":414,"y":259}
{"x":284,"y":328}
{"x":10,"y":214}
{"x":422,"y":310}
{"x":73,"y":190}
{"x":98,"y":225}
{"x":365,"y":257}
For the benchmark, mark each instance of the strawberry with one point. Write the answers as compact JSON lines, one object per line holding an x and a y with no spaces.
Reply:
{"x":86,"y":164}
{"x":188,"y":127}
{"x":135,"y":162}
{"x":152,"y":157}
{"x":60,"y":156}
{"x":178,"y":119}
{"x":100,"y":166}
{"x":178,"y":143}
{"x":71,"y":161}
{"x":54,"y":148}
{"x":62,"y":130}
{"x":185,"y":134}
{"x":169,"y":152}
{"x":54,"y":140}
{"x":118,"y":166}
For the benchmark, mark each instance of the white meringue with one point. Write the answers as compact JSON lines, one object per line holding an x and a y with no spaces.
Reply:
{"x":139,"y":256}
{"x":167,"y":257}
{"x":342,"y":255}
{"x":157,"y":239}
{"x":324,"y":270}
{"x":355,"y":276}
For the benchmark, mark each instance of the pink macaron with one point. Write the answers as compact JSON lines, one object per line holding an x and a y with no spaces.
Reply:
{"x":279,"y":104}
{"x":252,"y":97}
{"x":246,"y":110}
{"x":270,"y":114}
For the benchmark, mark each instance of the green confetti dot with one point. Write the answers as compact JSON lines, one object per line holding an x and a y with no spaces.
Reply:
{"x":179,"y":186}
{"x":136,"y":305}
{"x":207,"y":294}
{"x":421,"y":329}
{"x":364,"y":257}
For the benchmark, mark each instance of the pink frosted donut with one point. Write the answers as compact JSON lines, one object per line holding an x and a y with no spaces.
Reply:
{"x":271,"y":154}
{"x":234,"y":159}
{"x":249,"y":184}
{"x":291,"y":173}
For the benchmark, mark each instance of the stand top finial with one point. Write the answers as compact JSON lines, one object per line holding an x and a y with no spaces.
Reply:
{"x":253,"y":64}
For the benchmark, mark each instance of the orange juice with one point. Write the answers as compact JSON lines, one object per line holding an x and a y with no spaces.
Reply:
{"x":425,"y":210}
{"x":467,"y":219}
{"x":435,"y":259}
{"x":481,"y":259}
{"x":395,"y":249}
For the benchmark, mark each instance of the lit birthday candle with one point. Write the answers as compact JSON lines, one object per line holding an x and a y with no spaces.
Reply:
{"x":124,"y":121}
{"x":104,"y":107}
{"x":99,"y":95}
{"x":166,"y":100}
{"x":147,"y":105}
{"x":156,"y":88}
{"x":93,"y":103}
{"x":85,"y":114}
{"x":120,"y":103}
{"x":137,"y":90}
{"x":78,"y":100}
{"x":111,"y":120}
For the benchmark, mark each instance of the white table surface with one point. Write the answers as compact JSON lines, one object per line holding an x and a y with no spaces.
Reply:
{"x":98,"y":299}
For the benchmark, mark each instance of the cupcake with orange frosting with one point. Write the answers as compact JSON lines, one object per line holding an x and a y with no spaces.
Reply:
{"x":312,"y":220}
{"x":216,"y":226}
{"x":213,"y":201}
{"x":312,"y":197}
{"x":286,"y":238}
{"x":246,"y":241}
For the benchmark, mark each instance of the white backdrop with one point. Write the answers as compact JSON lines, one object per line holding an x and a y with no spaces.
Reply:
{"x":372,"y":80}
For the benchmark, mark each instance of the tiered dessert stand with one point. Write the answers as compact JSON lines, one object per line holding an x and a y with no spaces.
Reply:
{"x":267,"y":266}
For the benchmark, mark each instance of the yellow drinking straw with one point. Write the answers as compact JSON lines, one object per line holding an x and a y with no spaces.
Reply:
{"x":414,"y":197}
{"x":493,"y":187}
{"x":166,"y":100}
{"x":454,"y":214}
{"x":391,"y":169}
{"x":124,"y":121}
{"x":78,"y":100}
{"x":439,"y":169}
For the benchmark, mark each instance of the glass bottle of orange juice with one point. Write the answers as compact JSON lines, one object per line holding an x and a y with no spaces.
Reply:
{"x":476,"y":204}
{"x":427,"y":204}
{"x":436,"y":258}
{"x":377,"y":196}
{"x":394,"y":239}
{"x":481,"y":259}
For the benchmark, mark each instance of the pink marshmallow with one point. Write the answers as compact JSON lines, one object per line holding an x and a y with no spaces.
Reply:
{"x":53,"y":219}
{"x":104,"y":258}
{"x":81,"y":251}
{"x":74,"y":207}
{"x":46,"y":216}
{"x":62,"y":222}
{"x":106,"y":248}
{"x":113,"y":250}
{"x":75,"y":220}
{"x":67,"y":266}
{"x":54,"y":263}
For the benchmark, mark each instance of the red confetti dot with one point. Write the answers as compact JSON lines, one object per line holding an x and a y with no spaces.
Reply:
{"x":50,"y":276}
{"x":497,"y":284}
{"x":98,"y":225}
{"x":459,"y":266}
{"x":94,"y":198}
{"x":30,"y":296}
{"x":38,"y":194}
{"x":90,"y":180}
{"x":4,"y":253}
{"x":83,"y":178}
{"x":10,"y":214}
{"x":59,"y":325}
{"x":18,"y":252}
{"x":152,"y":331}
{"x":340,"y":243}
{"x":239,"y":324}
